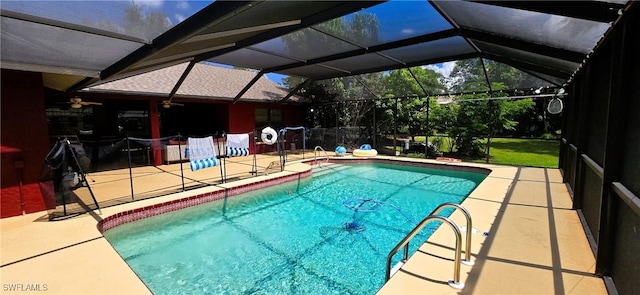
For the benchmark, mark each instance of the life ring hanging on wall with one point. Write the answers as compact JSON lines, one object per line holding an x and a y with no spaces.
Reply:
{"x":269,"y":136}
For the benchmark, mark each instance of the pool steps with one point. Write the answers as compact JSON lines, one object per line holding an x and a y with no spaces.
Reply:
{"x":327,"y":168}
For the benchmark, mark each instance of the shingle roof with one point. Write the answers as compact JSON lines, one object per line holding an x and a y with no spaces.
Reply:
{"x":205,"y":81}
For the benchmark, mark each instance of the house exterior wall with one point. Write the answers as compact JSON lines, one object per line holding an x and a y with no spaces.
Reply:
{"x":24,"y":140}
{"x":25,"y":136}
{"x":242,"y":119}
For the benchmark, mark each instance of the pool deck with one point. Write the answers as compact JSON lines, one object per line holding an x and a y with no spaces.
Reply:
{"x":535,"y":244}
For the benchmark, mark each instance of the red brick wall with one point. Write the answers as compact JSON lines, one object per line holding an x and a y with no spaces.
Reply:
{"x":24,"y":139}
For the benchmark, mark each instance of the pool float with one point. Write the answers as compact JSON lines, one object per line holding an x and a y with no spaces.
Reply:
{"x":340,"y":150}
{"x":269,"y":136}
{"x":365,"y":150}
{"x":443,"y":159}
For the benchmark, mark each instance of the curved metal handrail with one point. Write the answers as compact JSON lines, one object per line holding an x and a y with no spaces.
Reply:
{"x":455,"y":283}
{"x":467,"y":215}
{"x":315,"y":154}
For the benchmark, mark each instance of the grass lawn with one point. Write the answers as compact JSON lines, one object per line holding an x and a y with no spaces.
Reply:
{"x":524,"y":152}
{"x":518,"y":152}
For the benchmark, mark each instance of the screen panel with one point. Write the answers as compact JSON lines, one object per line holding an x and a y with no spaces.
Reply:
{"x":387,"y":22}
{"x":251,"y":59}
{"x":53,"y":46}
{"x":305,"y":44}
{"x":553,"y":30}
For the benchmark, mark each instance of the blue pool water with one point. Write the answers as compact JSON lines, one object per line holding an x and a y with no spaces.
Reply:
{"x":295,"y":238}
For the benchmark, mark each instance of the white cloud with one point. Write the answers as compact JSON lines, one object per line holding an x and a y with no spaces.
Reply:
{"x":150,"y":3}
{"x":407,"y":31}
{"x":184,"y":5}
{"x":443,"y":68}
{"x":179,"y":17}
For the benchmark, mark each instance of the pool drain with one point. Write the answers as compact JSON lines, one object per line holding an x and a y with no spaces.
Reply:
{"x":366,"y":205}
{"x":354,"y":226}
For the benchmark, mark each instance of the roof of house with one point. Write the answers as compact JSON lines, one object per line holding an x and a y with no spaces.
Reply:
{"x":204,"y":81}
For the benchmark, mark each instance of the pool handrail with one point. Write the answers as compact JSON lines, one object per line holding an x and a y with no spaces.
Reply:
{"x":469,"y":229}
{"x":455,"y":282}
{"x":315,"y":155}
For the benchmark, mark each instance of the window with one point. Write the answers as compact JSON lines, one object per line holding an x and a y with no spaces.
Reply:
{"x":134,"y":123}
{"x":67,"y":121}
{"x":269,"y":117}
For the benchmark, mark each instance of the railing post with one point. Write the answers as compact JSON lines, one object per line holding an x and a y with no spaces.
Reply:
{"x":130,"y":169}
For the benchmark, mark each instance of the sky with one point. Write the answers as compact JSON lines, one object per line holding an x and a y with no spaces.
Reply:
{"x":276,"y":78}
{"x":442,"y":68}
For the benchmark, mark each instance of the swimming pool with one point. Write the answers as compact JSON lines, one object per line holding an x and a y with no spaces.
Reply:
{"x":295,"y":238}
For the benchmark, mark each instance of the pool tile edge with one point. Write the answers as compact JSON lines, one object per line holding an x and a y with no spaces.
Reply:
{"x":228,"y":190}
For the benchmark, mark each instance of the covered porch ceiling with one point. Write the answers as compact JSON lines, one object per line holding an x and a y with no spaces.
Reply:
{"x":310,"y":39}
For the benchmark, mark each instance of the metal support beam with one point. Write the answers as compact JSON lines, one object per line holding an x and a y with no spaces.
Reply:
{"x":395,"y":126}
{"x":246,"y":88}
{"x":490,"y":104}
{"x":295,"y":90}
{"x":426,"y":111}
{"x":181,"y":79}
{"x":418,"y":81}
{"x":183,"y":31}
{"x":375,"y":127}
{"x":374,"y":107}
{"x":366,"y":87}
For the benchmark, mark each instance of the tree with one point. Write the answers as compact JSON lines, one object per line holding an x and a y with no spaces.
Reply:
{"x":485,"y":118}
{"x":136,"y":23}
{"x":148,"y":27}
{"x":468,"y":75}
{"x":412,"y":111}
{"x":442,"y":118}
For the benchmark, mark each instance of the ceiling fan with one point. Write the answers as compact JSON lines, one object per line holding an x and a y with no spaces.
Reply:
{"x":76,"y":103}
{"x":167,"y":104}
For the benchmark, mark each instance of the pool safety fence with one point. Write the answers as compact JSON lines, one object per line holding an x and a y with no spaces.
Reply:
{"x":236,"y":149}
{"x":122,"y":170}
{"x":294,"y":141}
